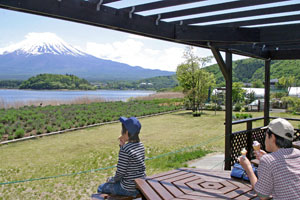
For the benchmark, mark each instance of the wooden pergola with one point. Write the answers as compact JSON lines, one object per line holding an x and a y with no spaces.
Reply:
{"x":263,"y":29}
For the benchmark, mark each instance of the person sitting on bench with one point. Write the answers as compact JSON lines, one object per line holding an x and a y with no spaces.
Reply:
{"x":131,"y":163}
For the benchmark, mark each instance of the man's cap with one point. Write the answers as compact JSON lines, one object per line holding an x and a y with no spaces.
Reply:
{"x":132,"y":124}
{"x":282,"y":128}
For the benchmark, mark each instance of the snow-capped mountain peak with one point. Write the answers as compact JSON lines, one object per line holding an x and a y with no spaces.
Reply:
{"x":42,"y":43}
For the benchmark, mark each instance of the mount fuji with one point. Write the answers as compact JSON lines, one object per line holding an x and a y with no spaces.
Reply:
{"x":47,"y":53}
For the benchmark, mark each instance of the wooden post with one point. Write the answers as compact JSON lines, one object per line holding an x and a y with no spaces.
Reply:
{"x":249,"y":138}
{"x":226,"y":69}
{"x":267,"y":93}
{"x":228,"y":106}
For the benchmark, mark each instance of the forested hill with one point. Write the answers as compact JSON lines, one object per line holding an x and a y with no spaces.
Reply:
{"x":252,"y":70}
{"x":158,"y":83}
{"x":56,"y":81}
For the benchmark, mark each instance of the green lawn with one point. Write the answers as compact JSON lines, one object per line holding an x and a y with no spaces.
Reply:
{"x":97,"y":147}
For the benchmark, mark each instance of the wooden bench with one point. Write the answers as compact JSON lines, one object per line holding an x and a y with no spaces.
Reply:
{"x":112,"y":197}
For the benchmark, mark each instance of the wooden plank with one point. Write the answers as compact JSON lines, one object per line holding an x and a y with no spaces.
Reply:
{"x":162,"y":174}
{"x":168,"y":176}
{"x":215,"y":7}
{"x":182,"y":186}
{"x":159,"y":189}
{"x":268,"y":20}
{"x":247,"y":13}
{"x":168,"y":184}
{"x":159,"y":4}
{"x":194,"y":184}
{"x":146,"y":189}
{"x":195,"y":197}
{"x":212,"y":33}
{"x":249,"y":195}
{"x":228,"y":187}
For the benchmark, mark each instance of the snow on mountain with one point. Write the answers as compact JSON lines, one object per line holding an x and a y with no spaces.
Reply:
{"x":46,"y":53}
{"x":42,"y":43}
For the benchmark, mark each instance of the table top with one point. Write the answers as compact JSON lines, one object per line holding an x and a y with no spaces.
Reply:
{"x":193,"y":183}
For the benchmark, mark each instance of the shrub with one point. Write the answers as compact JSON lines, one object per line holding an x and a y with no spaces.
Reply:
{"x":2,"y":131}
{"x":10,"y":137}
{"x":237,"y":107}
{"x":49,"y":129}
{"x":39,"y":131}
{"x":19,"y":133}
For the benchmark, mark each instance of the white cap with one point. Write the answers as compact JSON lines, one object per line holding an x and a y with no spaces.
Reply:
{"x":282,"y":128}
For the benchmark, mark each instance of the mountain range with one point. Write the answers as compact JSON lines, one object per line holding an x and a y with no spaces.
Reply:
{"x":47,"y":53}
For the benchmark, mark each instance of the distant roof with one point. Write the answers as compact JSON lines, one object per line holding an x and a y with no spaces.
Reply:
{"x":267,"y":29}
{"x":274,"y":80}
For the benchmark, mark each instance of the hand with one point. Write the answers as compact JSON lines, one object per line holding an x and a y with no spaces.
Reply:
{"x":244,"y":162}
{"x":122,"y":140}
{"x":259,"y":154}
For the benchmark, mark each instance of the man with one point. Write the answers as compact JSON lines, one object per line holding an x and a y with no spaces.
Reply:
{"x":278,"y":171}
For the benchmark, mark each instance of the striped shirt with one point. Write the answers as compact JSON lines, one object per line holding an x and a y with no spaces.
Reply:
{"x":279,"y":174}
{"x":131,"y":165}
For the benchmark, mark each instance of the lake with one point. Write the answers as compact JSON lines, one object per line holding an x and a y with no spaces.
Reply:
{"x":11,"y":96}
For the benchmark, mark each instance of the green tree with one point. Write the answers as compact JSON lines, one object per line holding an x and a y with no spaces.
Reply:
{"x":287,"y":82}
{"x":238,"y":93}
{"x":194,"y":80}
{"x":257,"y":84}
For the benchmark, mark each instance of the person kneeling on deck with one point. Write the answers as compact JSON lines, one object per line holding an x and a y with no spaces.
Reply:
{"x":131,"y":163}
{"x":278,"y":171}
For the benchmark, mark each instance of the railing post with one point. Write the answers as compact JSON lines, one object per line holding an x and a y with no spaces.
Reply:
{"x":249,"y":138}
{"x":267,"y":93}
{"x":228,"y":117}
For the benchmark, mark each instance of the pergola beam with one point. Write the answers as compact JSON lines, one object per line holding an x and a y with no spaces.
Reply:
{"x":87,"y":13}
{"x":220,"y":62}
{"x":267,"y":20}
{"x":279,"y":34}
{"x":216,"y":7}
{"x":231,"y":34}
{"x":158,"y":4}
{"x":247,"y":13}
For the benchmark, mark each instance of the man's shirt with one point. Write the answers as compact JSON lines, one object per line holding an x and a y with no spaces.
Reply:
{"x":279,"y":174}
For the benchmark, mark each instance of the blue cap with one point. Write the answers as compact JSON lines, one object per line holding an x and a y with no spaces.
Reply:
{"x":132,"y":124}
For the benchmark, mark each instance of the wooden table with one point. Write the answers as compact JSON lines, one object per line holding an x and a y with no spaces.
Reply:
{"x":192,"y":183}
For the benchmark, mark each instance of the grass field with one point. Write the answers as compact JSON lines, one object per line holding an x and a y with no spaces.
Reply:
{"x":97,"y":147}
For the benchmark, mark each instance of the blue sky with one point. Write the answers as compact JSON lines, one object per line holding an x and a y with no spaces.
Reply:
{"x":100,"y":42}
{"x":103,"y":43}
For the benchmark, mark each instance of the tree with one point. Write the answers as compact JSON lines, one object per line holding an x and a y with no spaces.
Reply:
{"x":194,"y":80}
{"x":238,"y":93}
{"x":257,"y":84}
{"x":287,"y":83}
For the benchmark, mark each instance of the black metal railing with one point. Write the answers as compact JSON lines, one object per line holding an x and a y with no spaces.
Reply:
{"x":245,"y":138}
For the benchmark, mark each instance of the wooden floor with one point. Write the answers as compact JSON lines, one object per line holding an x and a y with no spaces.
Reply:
{"x":192,"y":183}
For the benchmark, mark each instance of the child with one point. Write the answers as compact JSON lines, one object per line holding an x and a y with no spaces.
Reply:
{"x":131,"y":163}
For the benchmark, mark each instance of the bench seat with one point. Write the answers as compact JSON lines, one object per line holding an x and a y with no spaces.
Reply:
{"x":112,"y":197}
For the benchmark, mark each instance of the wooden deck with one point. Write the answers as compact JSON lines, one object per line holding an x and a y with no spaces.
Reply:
{"x":192,"y":183}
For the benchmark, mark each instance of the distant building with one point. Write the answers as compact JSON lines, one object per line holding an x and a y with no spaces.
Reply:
{"x":247,"y":84}
{"x":294,"y":91}
{"x":273,"y":83}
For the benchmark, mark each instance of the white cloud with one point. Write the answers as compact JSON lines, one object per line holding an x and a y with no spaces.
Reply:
{"x":134,"y":52}
{"x":137,"y":51}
